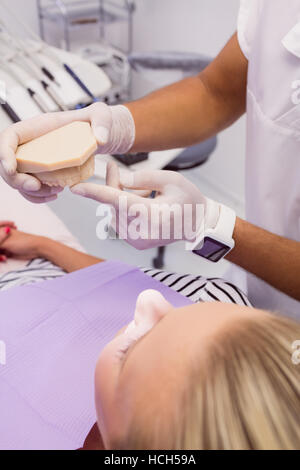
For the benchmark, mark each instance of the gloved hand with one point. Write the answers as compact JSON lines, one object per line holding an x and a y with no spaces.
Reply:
{"x":178,"y":212}
{"x":113,"y":128}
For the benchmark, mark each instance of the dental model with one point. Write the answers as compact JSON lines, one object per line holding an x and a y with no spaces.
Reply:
{"x":63,"y":157}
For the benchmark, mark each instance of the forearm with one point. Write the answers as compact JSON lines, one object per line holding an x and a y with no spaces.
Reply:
{"x":67,"y":258}
{"x":196,"y":108}
{"x":177,"y":116}
{"x":270,"y":257}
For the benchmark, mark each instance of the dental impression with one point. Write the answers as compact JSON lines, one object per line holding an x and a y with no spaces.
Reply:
{"x":63,"y":157}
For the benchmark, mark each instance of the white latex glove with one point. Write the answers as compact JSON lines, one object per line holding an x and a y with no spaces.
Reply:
{"x":113,"y":128}
{"x":172,"y":189}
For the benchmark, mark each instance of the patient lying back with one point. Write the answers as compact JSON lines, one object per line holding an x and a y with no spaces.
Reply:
{"x":206,"y":376}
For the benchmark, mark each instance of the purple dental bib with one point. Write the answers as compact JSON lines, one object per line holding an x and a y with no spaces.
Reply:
{"x":54,"y":332}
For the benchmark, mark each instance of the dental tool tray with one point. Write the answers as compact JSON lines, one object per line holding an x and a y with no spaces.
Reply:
{"x":129,"y":160}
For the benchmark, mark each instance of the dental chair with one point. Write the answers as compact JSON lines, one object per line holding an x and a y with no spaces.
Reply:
{"x":188,"y":64}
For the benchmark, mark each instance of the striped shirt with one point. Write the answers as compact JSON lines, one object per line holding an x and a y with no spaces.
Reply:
{"x":200,"y":289}
{"x":36,"y":270}
{"x":196,"y":288}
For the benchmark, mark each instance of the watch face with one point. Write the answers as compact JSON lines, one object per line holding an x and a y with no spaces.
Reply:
{"x":212,"y":250}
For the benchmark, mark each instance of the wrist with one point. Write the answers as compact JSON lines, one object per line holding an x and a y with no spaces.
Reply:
{"x":43,"y":247}
{"x":212,"y":213}
{"x":122,"y":134}
{"x":206,"y":215}
{"x":240,"y":232}
{"x":215,"y":242}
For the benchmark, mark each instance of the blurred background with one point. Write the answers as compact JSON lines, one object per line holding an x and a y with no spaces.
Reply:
{"x":192,"y":29}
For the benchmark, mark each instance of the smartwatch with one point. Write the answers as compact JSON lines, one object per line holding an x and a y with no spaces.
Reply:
{"x":218,"y":242}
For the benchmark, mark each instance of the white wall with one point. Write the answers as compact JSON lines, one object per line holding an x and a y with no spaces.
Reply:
{"x":184,"y":25}
{"x":23,"y":9}
{"x":194,"y":25}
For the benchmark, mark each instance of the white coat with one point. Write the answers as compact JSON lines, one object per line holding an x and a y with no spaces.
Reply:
{"x":269,"y":36}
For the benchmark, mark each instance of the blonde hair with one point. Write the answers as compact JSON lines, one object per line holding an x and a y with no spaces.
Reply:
{"x":246,"y":397}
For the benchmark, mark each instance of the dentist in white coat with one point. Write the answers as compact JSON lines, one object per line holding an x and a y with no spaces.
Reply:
{"x":257,"y":72}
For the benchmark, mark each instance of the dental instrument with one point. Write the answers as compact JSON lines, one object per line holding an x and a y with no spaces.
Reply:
{"x":44,"y":48}
{"x":24,"y":63}
{"x":41,"y":46}
{"x":37,"y":45}
{"x":21,"y":55}
{"x":80,"y":83}
{"x":21,"y":47}
{"x":36,"y":97}
{"x":10,"y":112}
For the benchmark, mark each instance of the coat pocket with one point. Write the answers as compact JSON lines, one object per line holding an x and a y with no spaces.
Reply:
{"x":291,"y":119}
{"x":291,"y":40}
